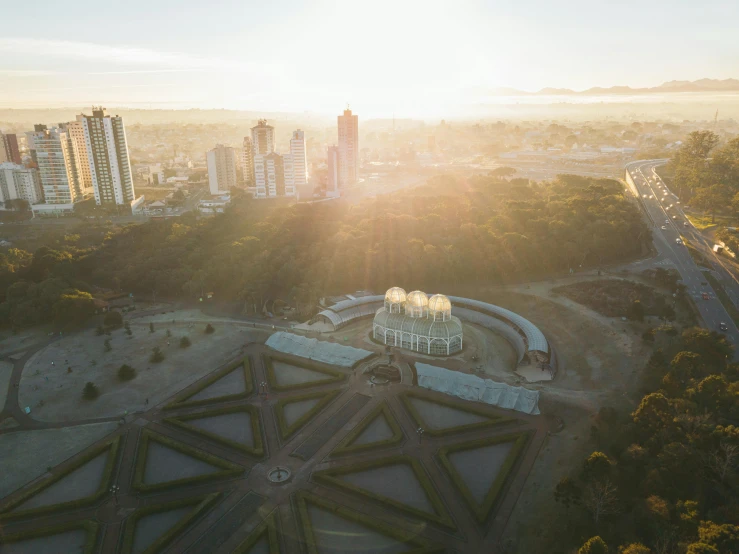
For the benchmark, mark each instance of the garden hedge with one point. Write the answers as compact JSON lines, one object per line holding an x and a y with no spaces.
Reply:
{"x":287,"y":430}
{"x":333,"y":375}
{"x":112,"y":448}
{"x":492,"y":420}
{"x":256,"y":428}
{"x":90,"y":527}
{"x":346,"y":446}
{"x":441,"y":515}
{"x":181,"y":401}
{"x":199,"y":503}
{"x":401,"y":532}
{"x":268,"y":527}
{"x":482,"y":512}
{"x":228,"y":469}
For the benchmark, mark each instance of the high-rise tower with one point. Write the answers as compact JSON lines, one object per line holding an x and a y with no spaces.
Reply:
{"x":348,"y":148}
{"x":107,"y":153}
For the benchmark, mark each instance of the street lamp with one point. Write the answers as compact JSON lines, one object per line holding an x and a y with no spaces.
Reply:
{"x":114,"y":491}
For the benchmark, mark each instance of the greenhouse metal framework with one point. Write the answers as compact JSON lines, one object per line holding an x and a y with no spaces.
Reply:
{"x":419,"y":323}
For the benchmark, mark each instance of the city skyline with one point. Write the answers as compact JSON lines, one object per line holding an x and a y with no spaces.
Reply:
{"x":452,"y":54}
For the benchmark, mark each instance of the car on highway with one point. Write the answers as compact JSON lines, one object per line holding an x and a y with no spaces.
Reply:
{"x":723,"y":326}
{"x":664,"y":228}
{"x":685,"y":223}
{"x":678,"y":241}
{"x":674,"y":217}
{"x":705,"y":296}
{"x":667,"y":220}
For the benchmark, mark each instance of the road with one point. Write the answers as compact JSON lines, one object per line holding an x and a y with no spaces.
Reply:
{"x":668,"y":225}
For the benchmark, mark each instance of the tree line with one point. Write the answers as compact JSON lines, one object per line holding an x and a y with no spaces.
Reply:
{"x":664,"y":477}
{"x":706,"y":172}
{"x":477,"y":230}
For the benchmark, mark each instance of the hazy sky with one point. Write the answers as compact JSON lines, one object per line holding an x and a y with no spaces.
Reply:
{"x":382,"y":56}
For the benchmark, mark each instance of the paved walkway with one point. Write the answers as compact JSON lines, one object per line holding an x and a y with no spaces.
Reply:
{"x":248,"y":498}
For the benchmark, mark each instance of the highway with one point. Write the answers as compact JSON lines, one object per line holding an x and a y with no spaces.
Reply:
{"x":668,"y":225}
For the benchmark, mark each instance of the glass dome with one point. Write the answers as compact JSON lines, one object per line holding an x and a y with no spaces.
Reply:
{"x":395,"y":294}
{"x":394,"y":299}
{"x":416,"y":304}
{"x":440,"y":307}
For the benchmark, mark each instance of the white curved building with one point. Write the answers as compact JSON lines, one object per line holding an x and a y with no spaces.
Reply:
{"x":418,"y":323}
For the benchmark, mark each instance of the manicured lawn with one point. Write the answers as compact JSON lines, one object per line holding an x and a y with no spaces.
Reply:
{"x":702,"y":222}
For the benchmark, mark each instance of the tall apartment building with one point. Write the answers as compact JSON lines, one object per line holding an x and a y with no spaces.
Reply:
{"x":9,"y":151}
{"x":76,"y":131}
{"x":332,"y":182}
{"x":221,"y":169}
{"x":18,"y":182}
{"x":299,"y":162}
{"x":247,"y":162}
{"x":263,"y":138}
{"x":348,"y":148}
{"x":107,"y":153}
{"x":52,"y":151}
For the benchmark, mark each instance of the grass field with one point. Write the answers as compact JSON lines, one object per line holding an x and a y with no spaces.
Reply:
{"x":702,"y":222}
{"x":698,"y":258}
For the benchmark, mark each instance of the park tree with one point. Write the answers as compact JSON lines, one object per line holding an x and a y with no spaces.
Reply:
{"x":712,"y":198}
{"x":107,"y":345}
{"x":634,"y":548}
{"x":113,"y":319}
{"x":654,"y":419}
{"x":724,"y":537}
{"x":690,"y":163}
{"x":567,"y":493}
{"x":74,"y":307}
{"x":594,"y":545}
{"x":91,"y":391}
{"x":600,"y":499}
{"x":725,"y":163}
{"x":156,"y":355}
{"x":597,"y":467}
{"x":701,"y":548}
{"x":185,"y":342}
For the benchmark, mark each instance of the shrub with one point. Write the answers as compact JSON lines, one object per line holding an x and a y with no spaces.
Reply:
{"x":126,"y":372}
{"x":91,"y":391}
{"x":156,"y":355}
{"x":99,"y":331}
{"x":128,"y":331}
{"x":184,"y":342}
{"x":169,"y":333}
{"x":209,"y":330}
{"x":113,"y":319}
{"x":151,"y":327}
{"x":108,"y":347}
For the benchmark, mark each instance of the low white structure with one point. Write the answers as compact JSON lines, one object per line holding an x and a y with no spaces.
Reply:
{"x":314,"y":349}
{"x":472,"y":387}
{"x":214,"y":205}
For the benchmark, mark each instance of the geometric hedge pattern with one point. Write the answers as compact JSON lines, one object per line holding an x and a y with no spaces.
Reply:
{"x":191,"y":474}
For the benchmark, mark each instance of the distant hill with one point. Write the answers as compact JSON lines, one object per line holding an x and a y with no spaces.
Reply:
{"x":701,"y":85}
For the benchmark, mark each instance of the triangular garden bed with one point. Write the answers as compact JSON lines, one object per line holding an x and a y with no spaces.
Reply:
{"x":379,"y":429}
{"x":315,"y":373}
{"x":188,"y":400}
{"x":221,"y":468}
{"x":436,"y":512}
{"x":470,"y":417}
{"x":481,"y":502}
{"x":265,"y":531}
{"x":406,"y":534}
{"x":288,"y":427}
{"x":108,"y":448}
{"x":256,"y":446}
{"x":89,"y":527}
{"x":197,"y":505}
